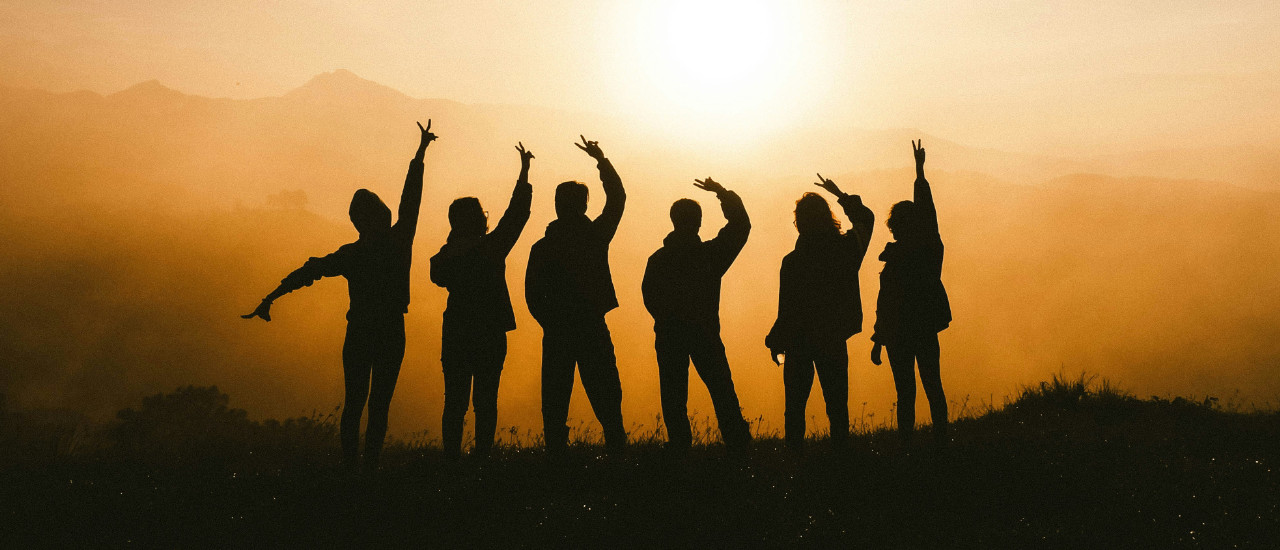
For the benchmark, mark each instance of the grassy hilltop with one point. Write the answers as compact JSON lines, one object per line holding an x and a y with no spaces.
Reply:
{"x":1066,"y":463}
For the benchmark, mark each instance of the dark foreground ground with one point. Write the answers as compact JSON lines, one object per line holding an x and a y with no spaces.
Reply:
{"x":1061,"y":466}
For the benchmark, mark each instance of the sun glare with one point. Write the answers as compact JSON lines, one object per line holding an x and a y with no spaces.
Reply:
{"x":718,"y":49}
{"x":715,"y":62}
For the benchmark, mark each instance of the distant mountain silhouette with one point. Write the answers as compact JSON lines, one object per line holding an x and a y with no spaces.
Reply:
{"x":345,"y":87}
{"x":341,"y":94}
{"x":149,"y":91}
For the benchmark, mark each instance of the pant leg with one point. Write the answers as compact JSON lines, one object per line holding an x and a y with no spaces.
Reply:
{"x":928,"y":358}
{"x":457,"y":392}
{"x":388,"y":356}
{"x":558,"y":364}
{"x":598,"y":367}
{"x":797,"y":381}
{"x":488,"y":373}
{"x":832,"y":364}
{"x":456,"y":361}
{"x":357,"y":365}
{"x":902,"y":361}
{"x":713,"y":367}
{"x":673,"y":380}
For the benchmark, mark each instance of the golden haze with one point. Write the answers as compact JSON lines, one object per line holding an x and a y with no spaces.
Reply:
{"x":1106,"y":180}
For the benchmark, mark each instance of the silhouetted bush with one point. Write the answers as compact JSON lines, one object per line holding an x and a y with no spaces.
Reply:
{"x":192,"y":424}
{"x":196,"y":425}
{"x":305,"y":435}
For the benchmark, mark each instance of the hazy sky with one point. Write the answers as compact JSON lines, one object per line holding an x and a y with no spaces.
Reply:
{"x":1062,"y":275}
{"x":1075,"y":77}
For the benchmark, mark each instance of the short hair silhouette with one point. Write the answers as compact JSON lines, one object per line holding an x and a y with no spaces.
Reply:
{"x":467,"y":216}
{"x":902,"y":218}
{"x":686,"y":215}
{"x":813,"y":215}
{"x":368,"y":213}
{"x":571,"y":199}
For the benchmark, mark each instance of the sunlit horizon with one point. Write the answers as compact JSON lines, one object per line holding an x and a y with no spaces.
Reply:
{"x":1079,"y":80}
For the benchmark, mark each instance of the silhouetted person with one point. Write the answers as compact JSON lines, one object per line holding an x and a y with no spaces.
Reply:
{"x":682,"y":292}
{"x":473,"y":266}
{"x":376,"y":266}
{"x":569,"y":289}
{"x":819,"y":308}
{"x":913,"y":307}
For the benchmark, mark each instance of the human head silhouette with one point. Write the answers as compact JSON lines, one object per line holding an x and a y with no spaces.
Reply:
{"x":813,"y":215}
{"x":467,"y":217}
{"x":571,"y":199}
{"x":368,"y":213}
{"x":686,"y":216}
{"x":902,"y":219}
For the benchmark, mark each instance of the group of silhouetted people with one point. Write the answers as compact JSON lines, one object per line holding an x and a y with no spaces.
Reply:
{"x":569,"y":289}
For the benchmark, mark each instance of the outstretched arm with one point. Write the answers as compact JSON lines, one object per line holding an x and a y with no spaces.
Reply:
{"x":615,"y":197}
{"x":923,"y":196}
{"x":513,"y":220}
{"x":310,"y":272}
{"x":411,"y":197}
{"x":862,"y":220}
{"x":733,"y":236}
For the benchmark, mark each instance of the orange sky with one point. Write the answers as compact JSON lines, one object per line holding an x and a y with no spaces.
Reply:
{"x":1162,"y":285}
{"x":1060,"y":77}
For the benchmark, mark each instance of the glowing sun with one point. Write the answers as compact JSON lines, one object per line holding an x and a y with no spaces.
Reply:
{"x":716,"y":56}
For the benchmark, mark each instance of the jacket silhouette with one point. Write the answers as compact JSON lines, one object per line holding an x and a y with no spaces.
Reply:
{"x":819,"y":308}
{"x":912,"y":306}
{"x":472,"y":265}
{"x":569,"y":289}
{"x":376,"y":267}
{"x":681,"y":290}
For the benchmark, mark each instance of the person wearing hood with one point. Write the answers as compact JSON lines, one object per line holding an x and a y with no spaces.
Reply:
{"x":376,"y":267}
{"x":681,"y":290}
{"x":569,"y":290}
{"x":472,"y":265}
{"x":912,"y":307}
{"x":819,"y":308}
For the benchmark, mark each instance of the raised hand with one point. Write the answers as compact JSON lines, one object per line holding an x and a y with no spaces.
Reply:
{"x":591,"y":147}
{"x":263,"y":311}
{"x":830,"y":186}
{"x":917,"y":148}
{"x":427,"y":136}
{"x":709,"y":185}
{"x":525,"y":154}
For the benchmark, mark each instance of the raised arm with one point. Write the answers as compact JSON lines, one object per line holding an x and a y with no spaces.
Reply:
{"x":411,"y":197}
{"x":733,"y":236}
{"x":923,"y":195}
{"x":313,"y":270}
{"x":508,"y":230}
{"x":862,"y":220}
{"x":615,"y":197}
